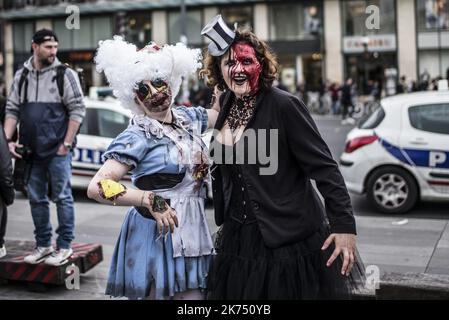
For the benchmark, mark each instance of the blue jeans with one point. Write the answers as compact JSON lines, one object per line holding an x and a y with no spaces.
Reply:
{"x":57,"y":173}
{"x":335,"y":107}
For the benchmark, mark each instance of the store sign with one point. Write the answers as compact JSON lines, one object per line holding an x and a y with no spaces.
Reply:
{"x":81,"y":56}
{"x":386,"y":42}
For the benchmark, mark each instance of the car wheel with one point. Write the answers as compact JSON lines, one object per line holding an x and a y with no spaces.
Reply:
{"x":392,"y":190}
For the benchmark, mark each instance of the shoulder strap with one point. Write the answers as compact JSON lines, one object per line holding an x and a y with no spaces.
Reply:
{"x":60,"y":72}
{"x":23,"y":79}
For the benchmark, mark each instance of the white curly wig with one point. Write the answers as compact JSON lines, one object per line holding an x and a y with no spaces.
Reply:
{"x":125,"y":66}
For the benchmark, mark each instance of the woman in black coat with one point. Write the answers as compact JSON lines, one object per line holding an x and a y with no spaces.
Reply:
{"x":277,"y":240}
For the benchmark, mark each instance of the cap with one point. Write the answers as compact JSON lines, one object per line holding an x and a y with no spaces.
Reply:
{"x":44,"y":35}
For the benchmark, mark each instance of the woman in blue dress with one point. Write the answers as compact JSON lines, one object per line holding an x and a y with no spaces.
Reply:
{"x":164,"y":247}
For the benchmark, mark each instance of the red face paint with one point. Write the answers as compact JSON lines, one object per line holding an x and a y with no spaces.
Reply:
{"x":246,"y":62}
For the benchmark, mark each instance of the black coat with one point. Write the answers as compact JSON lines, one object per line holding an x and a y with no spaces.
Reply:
{"x":6,"y":178}
{"x":286,"y":206}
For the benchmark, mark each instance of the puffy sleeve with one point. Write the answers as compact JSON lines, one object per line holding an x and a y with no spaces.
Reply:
{"x":128,"y":148}
{"x":197,"y":115}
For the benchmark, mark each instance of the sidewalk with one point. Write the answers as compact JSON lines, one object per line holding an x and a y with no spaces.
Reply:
{"x":404,"y":245}
{"x":392,"y":244}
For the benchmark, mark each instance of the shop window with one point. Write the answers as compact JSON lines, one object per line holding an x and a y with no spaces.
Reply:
{"x":92,"y":30}
{"x":101,"y":29}
{"x":433,"y":63}
{"x":243,"y":16}
{"x":23,"y":34}
{"x":138,"y":29}
{"x":82,"y":38}
{"x":193,"y":26}
{"x":355,"y":17}
{"x":65,"y":36}
{"x":295,"y":22}
{"x":432,"y":15}
{"x":369,"y":70}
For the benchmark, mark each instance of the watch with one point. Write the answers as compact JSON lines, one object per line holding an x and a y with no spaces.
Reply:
{"x":68,"y":146}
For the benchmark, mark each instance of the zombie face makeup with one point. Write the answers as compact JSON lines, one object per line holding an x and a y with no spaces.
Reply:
{"x":154,"y":95}
{"x":241,"y":69}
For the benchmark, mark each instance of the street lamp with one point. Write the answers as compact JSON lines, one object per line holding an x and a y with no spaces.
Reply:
{"x":440,"y":73}
{"x":183,"y":37}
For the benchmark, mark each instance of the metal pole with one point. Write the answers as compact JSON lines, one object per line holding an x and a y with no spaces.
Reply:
{"x":183,"y":37}
{"x":365,"y":66}
{"x":439,"y":45}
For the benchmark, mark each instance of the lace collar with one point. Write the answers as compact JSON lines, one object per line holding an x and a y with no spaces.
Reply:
{"x":154,"y":129}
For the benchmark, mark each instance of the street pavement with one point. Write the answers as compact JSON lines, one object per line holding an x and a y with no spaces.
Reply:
{"x":414,"y":242}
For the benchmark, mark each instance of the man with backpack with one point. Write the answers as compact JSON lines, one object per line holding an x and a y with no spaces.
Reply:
{"x":46,"y":101}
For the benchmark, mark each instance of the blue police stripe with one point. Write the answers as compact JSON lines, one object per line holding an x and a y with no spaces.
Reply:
{"x":89,"y":154}
{"x":414,"y":157}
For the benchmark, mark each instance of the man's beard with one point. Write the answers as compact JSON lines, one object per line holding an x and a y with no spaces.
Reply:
{"x":46,"y":61}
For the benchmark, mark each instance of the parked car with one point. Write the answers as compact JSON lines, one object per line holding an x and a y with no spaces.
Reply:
{"x":104,"y":120}
{"x":400,"y":153}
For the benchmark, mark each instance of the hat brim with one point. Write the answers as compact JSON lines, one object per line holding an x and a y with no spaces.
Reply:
{"x":214,"y":51}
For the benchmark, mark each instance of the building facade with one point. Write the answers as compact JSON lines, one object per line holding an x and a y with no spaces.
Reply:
{"x":315,"y":40}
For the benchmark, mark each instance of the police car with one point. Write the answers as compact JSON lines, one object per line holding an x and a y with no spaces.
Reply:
{"x":400,"y":153}
{"x":105,"y":119}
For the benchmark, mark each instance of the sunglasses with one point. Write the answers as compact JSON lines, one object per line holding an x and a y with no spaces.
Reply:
{"x":143,"y":90}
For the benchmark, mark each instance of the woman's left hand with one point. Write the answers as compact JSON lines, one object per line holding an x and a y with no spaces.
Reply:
{"x":345,"y":245}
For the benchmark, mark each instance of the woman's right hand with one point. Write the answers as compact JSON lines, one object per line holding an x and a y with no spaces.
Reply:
{"x":166,"y":219}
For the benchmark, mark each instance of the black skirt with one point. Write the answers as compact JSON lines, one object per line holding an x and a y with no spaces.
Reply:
{"x":244,"y":268}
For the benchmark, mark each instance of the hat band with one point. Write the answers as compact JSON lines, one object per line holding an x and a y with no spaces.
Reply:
{"x":221,"y":39}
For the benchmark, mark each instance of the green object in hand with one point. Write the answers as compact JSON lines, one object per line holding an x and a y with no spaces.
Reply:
{"x":159,"y":204}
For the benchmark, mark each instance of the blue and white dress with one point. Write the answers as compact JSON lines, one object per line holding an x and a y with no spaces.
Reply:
{"x":142,"y":258}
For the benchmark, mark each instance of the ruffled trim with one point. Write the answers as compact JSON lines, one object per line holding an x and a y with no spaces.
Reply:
{"x":120,"y":158}
{"x":151,"y":127}
{"x":154,"y":129}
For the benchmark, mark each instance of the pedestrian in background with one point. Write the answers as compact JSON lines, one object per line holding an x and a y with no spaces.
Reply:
{"x":346,"y":102}
{"x":335,"y":97}
{"x":46,"y":101}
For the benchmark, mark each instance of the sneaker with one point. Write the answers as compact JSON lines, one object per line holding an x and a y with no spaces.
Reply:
{"x":344,"y":122}
{"x":2,"y":252}
{"x":60,"y":257}
{"x":39,"y":254}
{"x":350,"y":120}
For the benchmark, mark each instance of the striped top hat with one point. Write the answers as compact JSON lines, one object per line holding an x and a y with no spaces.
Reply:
{"x":220,"y":34}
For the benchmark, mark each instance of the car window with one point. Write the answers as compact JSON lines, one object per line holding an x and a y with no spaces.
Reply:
{"x":111,"y":123}
{"x":431,"y":117}
{"x":84,"y":129}
{"x":373,"y":120}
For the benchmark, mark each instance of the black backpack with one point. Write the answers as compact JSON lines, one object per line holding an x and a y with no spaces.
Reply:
{"x":59,"y":78}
